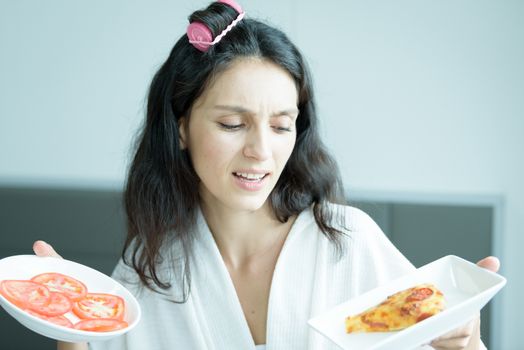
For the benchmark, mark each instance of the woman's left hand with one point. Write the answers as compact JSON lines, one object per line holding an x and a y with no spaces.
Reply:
{"x":467,"y":336}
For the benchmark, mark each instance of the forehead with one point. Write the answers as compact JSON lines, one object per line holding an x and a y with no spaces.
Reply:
{"x":251,"y":82}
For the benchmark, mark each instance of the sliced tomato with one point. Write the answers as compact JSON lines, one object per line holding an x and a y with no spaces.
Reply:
{"x":25,"y":294}
{"x":58,"y":320}
{"x":419,"y":294}
{"x":100,"y":325}
{"x":58,"y":305}
{"x":99,"y":305}
{"x":424,"y":316}
{"x":57,"y":282}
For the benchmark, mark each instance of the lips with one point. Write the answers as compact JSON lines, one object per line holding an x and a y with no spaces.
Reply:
{"x":251,"y":180}
{"x":250,"y":176}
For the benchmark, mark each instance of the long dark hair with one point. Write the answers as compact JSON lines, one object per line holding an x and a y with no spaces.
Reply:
{"x":161,"y":195}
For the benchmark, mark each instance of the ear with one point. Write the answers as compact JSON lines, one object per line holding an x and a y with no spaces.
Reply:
{"x":182,"y":127}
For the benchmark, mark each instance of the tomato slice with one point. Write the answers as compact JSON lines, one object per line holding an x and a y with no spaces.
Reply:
{"x":58,"y":305}
{"x":419,"y":294}
{"x":58,"y":320}
{"x":99,"y":305}
{"x":100,"y":325}
{"x":57,"y":282}
{"x":25,"y":294}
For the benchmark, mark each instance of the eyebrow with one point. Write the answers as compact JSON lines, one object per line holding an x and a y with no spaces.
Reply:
{"x":242,"y":110}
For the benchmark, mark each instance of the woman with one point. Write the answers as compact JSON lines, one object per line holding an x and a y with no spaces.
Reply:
{"x":234,"y":238}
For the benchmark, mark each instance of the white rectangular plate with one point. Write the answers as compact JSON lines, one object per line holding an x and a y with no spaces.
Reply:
{"x":466,"y":287}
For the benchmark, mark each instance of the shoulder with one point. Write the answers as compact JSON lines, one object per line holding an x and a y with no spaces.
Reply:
{"x":354,"y":227}
{"x":347,"y":220}
{"x":359,"y":228}
{"x":351,"y":220}
{"x":364,"y":258}
{"x":357,"y":220}
{"x":365,"y":244}
{"x":127,"y":276}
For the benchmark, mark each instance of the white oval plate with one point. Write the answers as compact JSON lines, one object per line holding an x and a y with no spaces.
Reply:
{"x":24,"y":267}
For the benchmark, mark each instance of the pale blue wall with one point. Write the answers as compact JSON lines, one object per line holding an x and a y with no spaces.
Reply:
{"x":416,"y":96}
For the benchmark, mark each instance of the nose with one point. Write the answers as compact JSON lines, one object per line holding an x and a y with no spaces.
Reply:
{"x":258,"y":144}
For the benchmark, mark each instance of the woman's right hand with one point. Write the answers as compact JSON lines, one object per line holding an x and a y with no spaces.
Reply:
{"x":41,"y":248}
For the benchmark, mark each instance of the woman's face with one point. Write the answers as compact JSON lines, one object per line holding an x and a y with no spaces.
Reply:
{"x":241,"y":133}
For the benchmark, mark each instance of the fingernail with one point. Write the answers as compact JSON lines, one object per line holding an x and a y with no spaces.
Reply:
{"x":45,"y":244}
{"x":40,"y":246}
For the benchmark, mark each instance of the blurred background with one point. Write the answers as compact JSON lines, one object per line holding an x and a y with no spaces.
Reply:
{"x":421,"y":102}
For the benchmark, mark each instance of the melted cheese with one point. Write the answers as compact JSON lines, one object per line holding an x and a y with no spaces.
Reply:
{"x":399,"y":311}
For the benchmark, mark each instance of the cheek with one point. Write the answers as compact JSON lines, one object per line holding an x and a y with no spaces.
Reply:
{"x":210,"y":153}
{"x":285,"y":150}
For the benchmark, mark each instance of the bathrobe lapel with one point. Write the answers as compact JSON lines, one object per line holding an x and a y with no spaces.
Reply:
{"x":214,"y":297}
{"x":217,"y":304}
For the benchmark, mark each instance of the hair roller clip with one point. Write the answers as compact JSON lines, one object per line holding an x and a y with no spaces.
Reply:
{"x":201,"y":37}
{"x":233,"y":4}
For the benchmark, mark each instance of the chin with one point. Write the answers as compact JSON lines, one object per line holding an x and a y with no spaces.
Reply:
{"x":251,"y":204}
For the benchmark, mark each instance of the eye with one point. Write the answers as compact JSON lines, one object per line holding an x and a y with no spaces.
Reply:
{"x":282,"y":129}
{"x":230,"y":126}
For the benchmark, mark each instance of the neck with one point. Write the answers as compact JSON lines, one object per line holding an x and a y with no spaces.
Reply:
{"x":243,"y":237}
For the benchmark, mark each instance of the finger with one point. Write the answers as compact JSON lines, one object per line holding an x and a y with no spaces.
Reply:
{"x":491,"y":263}
{"x":461,"y":332}
{"x":41,"y":248}
{"x":451,"y":343}
{"x":457,"y":337}
{"x":462,"y":343}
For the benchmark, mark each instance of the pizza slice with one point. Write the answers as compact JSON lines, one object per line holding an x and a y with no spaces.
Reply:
{"x":399,"y":311}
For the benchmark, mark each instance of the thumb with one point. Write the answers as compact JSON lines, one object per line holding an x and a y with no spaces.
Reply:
{"x":41,"y":248}
{"x":491,"y":263}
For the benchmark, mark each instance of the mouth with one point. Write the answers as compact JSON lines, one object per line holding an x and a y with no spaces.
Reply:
{"x":250,"y":177}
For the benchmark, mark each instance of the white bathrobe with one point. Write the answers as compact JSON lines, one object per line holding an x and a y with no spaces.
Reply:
{"x":308,"y":280}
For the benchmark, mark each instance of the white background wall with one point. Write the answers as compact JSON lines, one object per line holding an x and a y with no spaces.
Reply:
{"x":415,"y":96}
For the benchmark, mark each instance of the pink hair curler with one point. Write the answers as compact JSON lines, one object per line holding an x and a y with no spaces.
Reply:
{"x":201,"y":37}
{"x":233,"y":4}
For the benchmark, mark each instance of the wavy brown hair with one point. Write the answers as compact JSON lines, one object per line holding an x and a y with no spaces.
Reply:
{"x":161,"y":194}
